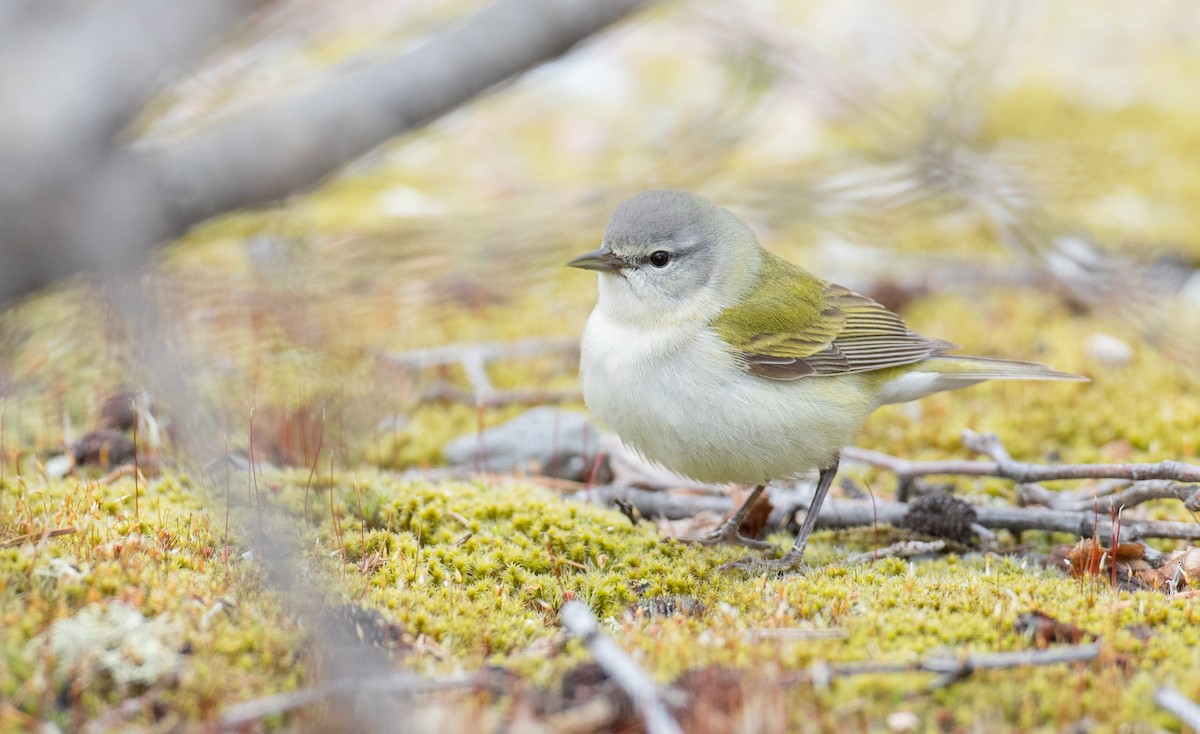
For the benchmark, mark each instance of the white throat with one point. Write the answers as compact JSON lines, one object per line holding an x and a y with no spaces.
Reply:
{"x":619,"y":303}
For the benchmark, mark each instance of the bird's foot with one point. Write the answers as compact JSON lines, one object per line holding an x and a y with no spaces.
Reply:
{"x":728,"y":532}
{"x":788,"y":564}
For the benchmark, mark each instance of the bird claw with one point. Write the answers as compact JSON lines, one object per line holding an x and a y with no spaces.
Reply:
{"x":788,"y":564}
{"x":727,"y":533}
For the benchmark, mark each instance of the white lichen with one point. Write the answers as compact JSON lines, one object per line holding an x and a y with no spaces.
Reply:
{"x":115,"y":640}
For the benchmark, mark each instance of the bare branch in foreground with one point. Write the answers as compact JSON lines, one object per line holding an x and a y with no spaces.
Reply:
{"x":1183,"y":707}
{"x":246,"y":162}
{"x":642,"y":691}
{"x":77,"y":196}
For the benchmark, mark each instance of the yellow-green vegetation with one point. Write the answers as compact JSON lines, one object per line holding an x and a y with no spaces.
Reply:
{"x":141,"y":593}
{"x":474,"y":574}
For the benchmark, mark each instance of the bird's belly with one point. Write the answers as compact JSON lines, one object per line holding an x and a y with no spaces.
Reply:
{"x":685,"y":402}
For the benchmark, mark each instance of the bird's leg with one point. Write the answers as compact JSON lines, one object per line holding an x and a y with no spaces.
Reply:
{"x":728,"y":532}
{"x":796,"y":555}
{"x":793,"y":559}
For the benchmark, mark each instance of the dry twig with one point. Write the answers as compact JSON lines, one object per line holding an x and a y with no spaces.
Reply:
{"x":397,"y":684}
{"x":621,"y":668}
{"x":492,"y":398}
{"x":1021,"y":472}
{"x":955,"y":669}
{"x":1111,"y":496}
{"x":474,"y":358}
{"x":903,"y":549}
{"x":856,"y":513}
{"x":481,"y":352}
{"x":38,"y":536}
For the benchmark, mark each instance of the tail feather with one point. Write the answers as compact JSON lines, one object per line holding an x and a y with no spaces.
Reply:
{"x":950,"y":372}
{"x":957,"y":367}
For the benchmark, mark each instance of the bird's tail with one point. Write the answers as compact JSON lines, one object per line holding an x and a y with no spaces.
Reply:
{"x":950,"y":372}
{"x":991,"y":368}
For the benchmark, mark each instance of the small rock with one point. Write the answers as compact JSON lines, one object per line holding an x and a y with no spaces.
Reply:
{"x":546,"y":440}
{"x":1108,"y":350}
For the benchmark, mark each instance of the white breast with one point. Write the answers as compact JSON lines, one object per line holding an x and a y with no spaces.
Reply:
{"x":679,"y":396}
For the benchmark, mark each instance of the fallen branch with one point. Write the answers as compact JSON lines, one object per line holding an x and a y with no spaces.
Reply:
{"x":954,"y":669}
{"x":491,"y":398}
{"x":1111,"y":498}
{"x":903,"y":549}
{"x":621,"y":668}
{"x":1020,"y":472}
{"x":1180,"y":705}
{"x":856,"y":513}
{"x":479,"y":352}
{"x":239,"y":715}
{"x":474,"y":358}
{"x":1024,"y":472}
{"x":845,"y":514}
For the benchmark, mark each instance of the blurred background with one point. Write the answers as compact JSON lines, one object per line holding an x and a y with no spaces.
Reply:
{"x":1018,"y":178}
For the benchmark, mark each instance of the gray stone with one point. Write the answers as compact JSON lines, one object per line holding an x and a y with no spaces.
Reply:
{"x":547,"y":440}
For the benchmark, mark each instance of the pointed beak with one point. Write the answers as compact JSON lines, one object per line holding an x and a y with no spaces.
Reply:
{"x":602,"y":260}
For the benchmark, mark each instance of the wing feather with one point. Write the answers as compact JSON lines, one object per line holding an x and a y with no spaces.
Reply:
{"x":823,"y":330}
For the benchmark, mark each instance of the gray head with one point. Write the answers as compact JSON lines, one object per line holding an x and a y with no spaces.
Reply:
{"x":670,"y":255}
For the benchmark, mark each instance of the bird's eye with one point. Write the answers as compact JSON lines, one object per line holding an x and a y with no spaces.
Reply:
{"x":660,"y":258}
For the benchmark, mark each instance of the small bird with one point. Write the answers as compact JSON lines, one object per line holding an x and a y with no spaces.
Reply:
{"x":725,"y":363}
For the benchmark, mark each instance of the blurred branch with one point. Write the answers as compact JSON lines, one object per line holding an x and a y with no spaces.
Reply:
{"x":474,"y":359}
{"x":1184,"y":708}
{"x":238,"y":716}
{"x":247,"y":161}
{"x":626,"y":673}
{"x":492,"y":398}
{"x":71,"y":77}
{"x":77,"y":196}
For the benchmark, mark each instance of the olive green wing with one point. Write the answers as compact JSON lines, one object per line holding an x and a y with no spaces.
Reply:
{"x":796,"y":325}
